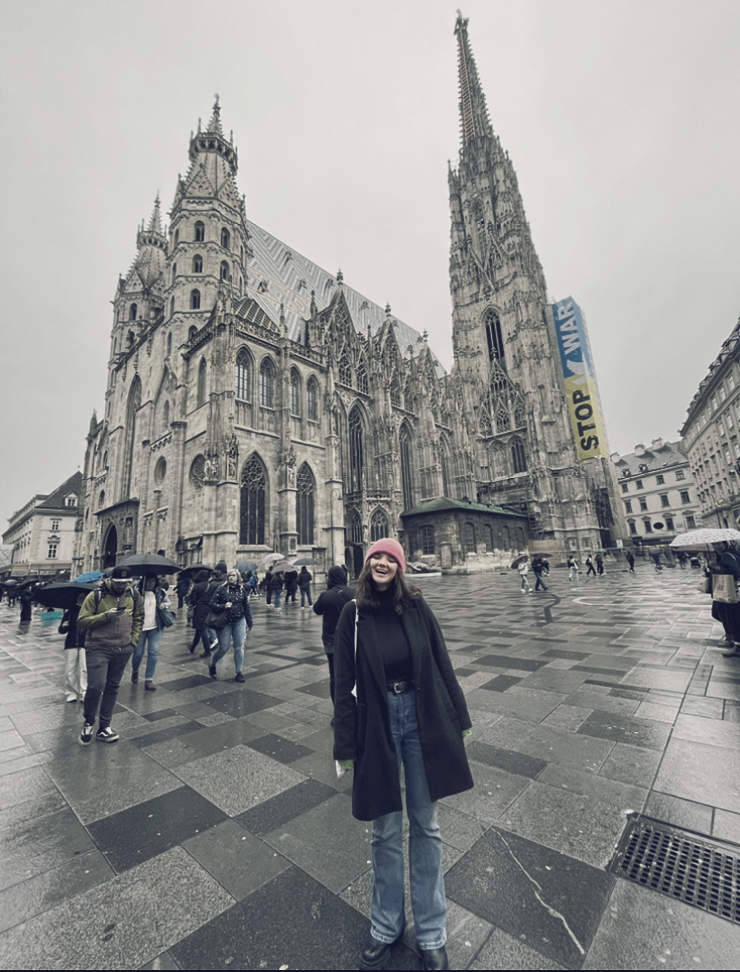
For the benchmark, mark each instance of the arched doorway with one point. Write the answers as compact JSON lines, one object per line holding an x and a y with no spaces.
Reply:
{"x":110,"y":548}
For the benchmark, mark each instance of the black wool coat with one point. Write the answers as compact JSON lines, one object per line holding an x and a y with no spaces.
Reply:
{"x":362,"y":727}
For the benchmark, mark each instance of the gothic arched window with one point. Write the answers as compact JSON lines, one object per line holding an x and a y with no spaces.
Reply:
{"x":165,"y":416}
{"x":244,"y":375}
{"x":378,"y":526}
{"x":192,"y":331}
{"x":395,"y":390}
{"x":518,"y":457}
{"x":356,"y":451}
{"x":200,"y":395}
{"x":355,"y":527}
{"x":253,"y":511}
{"x":345,"y":370}
{"x":169,"y":343}
{"x":225,"y":238}
{"x":468,"y":537}
{"x":132,"y":312}
{"x":172,"y":306}
{"x":362,"y":374}
{"x":174,"y":272}
{"x":305,"y":493}
{"x":197,"y":263}
{"x":427,"y":539}
{"x":312,"y":399}
{"x":200,"y":232}
{"x":225,"y":274}
{"x":267,"y":383}
{"x":407,"y":483}
{"x":295,"y":392}
{"x":494,"y":338}
{"x":444,"y":462}
{"x":198,"y":472}
{"x":132,"y":407}
{"x":194,"y":299}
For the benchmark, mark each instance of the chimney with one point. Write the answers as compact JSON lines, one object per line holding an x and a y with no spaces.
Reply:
{"x":640,"y":449}
{"x":658,"y":443}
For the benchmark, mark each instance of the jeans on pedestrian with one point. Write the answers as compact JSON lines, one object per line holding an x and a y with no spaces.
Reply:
{"x":105,"y":667}
{"x":425,"y":844}
{"x":234,"y":631}
{"x":306,"y":592}
{"x":148,"y":641}
{"x":539,"y":583}
{"x":75,"y":672}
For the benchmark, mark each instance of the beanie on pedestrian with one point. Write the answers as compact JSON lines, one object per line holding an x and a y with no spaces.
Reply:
{"x":221,"y":567}
{"x":388,"y":546}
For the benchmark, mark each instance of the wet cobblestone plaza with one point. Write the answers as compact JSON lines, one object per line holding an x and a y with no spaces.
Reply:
{"x":215,"y":834}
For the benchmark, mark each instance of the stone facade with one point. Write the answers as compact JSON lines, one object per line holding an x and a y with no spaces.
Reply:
{"x":44,"y":532}
{"x":711,"y":437}
{"x":256,"y":402}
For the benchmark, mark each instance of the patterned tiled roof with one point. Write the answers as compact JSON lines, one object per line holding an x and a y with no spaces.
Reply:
{"x":55,"y":500}
{"x":278,"y":274}
{"x":654,"y":459}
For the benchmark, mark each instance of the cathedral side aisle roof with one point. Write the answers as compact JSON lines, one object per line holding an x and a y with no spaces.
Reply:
{"x":278,"y":274}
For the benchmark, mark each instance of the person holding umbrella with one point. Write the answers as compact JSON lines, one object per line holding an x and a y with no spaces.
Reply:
{"x":154,"y":595}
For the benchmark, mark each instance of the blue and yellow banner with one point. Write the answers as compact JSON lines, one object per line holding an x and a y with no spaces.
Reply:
{"x":579,"y":380}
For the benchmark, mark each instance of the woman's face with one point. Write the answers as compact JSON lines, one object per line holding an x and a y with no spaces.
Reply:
{"x":233,"y":578}
{"x":383,"y":569}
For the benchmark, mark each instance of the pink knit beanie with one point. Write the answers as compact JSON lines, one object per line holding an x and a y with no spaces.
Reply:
{"x":388,"y":546}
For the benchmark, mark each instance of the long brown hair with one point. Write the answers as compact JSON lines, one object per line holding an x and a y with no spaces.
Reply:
{"x":401,"y":590}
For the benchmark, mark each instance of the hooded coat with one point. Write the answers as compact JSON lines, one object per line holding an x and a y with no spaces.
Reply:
{"x":362,"y":728}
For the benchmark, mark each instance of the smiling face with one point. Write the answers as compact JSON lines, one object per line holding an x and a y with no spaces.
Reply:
{"x":383,"y":568}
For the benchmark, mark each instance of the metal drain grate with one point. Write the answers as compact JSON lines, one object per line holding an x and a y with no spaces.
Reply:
{"x":701,"y":873}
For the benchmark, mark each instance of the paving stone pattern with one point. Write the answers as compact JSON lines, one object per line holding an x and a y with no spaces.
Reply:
{"x":216,"y":835}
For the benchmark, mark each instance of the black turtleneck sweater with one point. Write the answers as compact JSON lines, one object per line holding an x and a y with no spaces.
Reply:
{"x":393,"y":646}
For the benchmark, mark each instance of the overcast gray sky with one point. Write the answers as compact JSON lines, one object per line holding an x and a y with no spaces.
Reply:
{"x":620,"y":118}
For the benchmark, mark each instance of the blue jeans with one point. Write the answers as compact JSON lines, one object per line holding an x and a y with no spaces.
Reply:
{"x":235,"y":632}
{"x":425,"y":844}
{"x":149,"y":640}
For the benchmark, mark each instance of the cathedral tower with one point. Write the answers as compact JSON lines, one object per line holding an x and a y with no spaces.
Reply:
{"x":504,"y":355}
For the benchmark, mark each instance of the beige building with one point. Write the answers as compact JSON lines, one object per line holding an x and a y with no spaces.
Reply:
{"x":711,"y":437}
{"x":43,"y":532}
{"x":255,"y":401}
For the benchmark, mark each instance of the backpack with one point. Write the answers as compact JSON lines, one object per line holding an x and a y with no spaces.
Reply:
{"x":98,"y":596}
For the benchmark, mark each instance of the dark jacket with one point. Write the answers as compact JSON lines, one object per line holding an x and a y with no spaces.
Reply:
{"x":239,"y":605}
{"x":304,"y":579}
{"x":200,"y":598}
{"x":361,"y":727}
{"x":330,"y":602}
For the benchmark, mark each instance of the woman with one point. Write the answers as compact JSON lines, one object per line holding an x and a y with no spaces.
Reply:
{"x":155,"y":600}
{"x":200,"y":599}
{"x":230,"y":602}
{"x":75,"y":668}
{"x":727,"y":613}
{"x":408,"y":709}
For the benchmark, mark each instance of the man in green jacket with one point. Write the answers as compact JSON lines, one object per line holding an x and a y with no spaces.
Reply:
{"x":111,"y":621}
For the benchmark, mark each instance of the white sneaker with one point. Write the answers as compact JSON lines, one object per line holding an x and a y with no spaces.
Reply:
{"x":71,"y":697}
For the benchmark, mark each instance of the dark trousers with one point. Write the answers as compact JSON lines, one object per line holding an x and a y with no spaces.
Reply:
{"x":328,"y":641}
{"x":540,"y":582}
{"x":306,"y":593}
{"x":105,"y":667}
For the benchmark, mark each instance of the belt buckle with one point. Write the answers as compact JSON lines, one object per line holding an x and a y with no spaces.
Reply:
{"x":398,"y":688}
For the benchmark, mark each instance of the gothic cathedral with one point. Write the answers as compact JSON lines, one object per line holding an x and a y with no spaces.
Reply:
{"x":255,"y":402}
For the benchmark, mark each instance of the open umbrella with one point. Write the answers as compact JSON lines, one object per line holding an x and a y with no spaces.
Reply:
{"x":518,"y":561}
{"x":246,"y":566}
{"x":194,"y":569}
{"x":148,"y":565}
{"x":269,"y":559}
{"x":88,"y":578}
{"x":303,"y":562}
{"x":704,"y":537}
{"x":282,"y":566}
{"x":63,"y":595}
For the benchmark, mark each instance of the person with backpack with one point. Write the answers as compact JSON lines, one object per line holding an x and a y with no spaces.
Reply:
{"x":111,"y":621}
{"x":75,"y":669}
{"x":329,"y":606}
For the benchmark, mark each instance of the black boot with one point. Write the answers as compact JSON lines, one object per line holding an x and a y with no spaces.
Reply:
{"x":434,"y":958}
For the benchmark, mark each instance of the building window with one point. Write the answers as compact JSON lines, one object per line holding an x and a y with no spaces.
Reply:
{"x":267,"y":382}
{"x":638,"y":484}
{"x":132,"y":312}
{"x":172,"y":306}
{"x":468,"y":537}
{"x":201,"y":390}
{"x":305,"y":490}
{"x":197,"y":263}
{"x":169,"y":343}
{"x":407,"y":482}
{"x":54,"y":526}
{"x":225,"y":238}
{"x":52,"y":551}
{"x":356,"y":451}
{"x":680,"y":475}
{"x":643,"y":503}
{"x":200,"y":232}
{"x":633,"y":528}
{"x":664,"y":500}
{"x":669,"y":525}
{"x":244,"y":375}
{"x":628,"y":506}
{"x":362,"y":375}
{"x":648,"y":525}
{"x":225,"y":274}
{"x":295,"y":393}
{"x":690,"y":522}
{"x":660,"y":479}
{"x":198,"y":472}
{"x":494,"y":339}
{"x":625,"y":487}
{"x":518,"y":458}
{"x":253,"y":501}
{"x":174,"y":272}
{"x":312,"y":397}
{"x":194,"y":299}
{"x":427,"y":539}
{"x":685,"y":498}
{"x":395,"y":390}
{"x":378,"y":526}
{"x":344,"y":369}
{"x":71,"y":500}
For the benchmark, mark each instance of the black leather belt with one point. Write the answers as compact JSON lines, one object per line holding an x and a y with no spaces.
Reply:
{"x":398,"y":688}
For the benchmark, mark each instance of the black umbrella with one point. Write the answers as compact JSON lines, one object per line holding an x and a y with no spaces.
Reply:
{"x":194,"y":569}
{"x":148,"y":565}
{"x":62,"y":595}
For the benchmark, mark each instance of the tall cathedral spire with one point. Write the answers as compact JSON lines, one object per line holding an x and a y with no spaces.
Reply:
{"x":474,"y":120}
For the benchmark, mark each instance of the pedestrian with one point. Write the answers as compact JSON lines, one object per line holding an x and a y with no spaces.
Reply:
{"x":538,"y":567}
{"x":398,"y":702}
{"x":154,"y":595}
{"x":184,"y":583}
{"x":252,"y":583}
{"x":590,"y":566}
{"x":572,"y":568}
{"x":230,"y":603}
{"x":725,"y":611}
{"x":599,"y":564}
{"x":631,"y":561}
{"x":75,"y":669}
{"x":26,"y":598}
{"x":291,"y":585}
{"x":329,"y":605}
{"x":274,"y":588}
{"x":111,"y":621}
{"x":200,"y":598}
{"x":523,"y":571}
{"x":304,"y":582}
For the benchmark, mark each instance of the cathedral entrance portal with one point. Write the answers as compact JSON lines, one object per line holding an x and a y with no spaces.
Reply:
{"x":110,"y":548}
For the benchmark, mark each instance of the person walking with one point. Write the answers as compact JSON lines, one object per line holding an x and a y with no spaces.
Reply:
{"x":274,"y":588}
{"x":329,"y":606}
{"x":572,"y":568}
{"x":154,"y":594}
{"x":630,"y":557}
{"x":523,"y":571}
{"x":26,"y":598}
{"x":724,"y":611}
{"x":291,"y":585}
{"x":599,"y":564}
{"x":75,"y":669}
{"x":538,"y":567}
{"x":183,"y":586}
{"x":304,"y":583}
{"x":230,"y":601}
{"x":111,"y":621}
{"x":590,"y":566}
{"x":398,"y":702}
